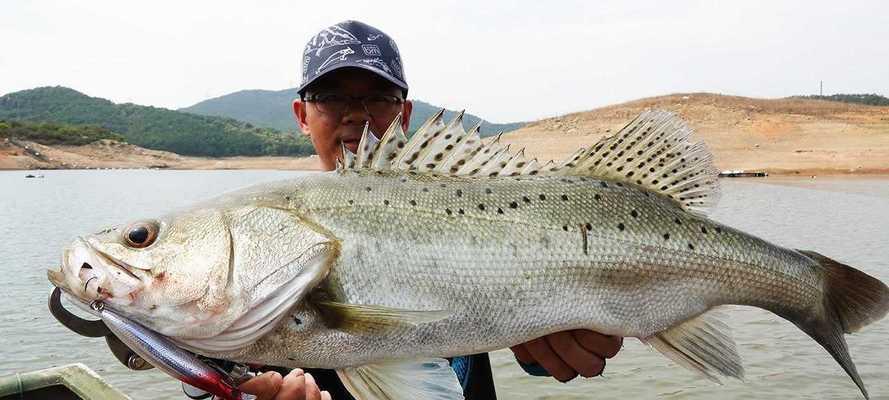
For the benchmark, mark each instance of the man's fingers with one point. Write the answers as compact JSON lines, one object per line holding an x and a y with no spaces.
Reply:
{"x":572,"y":353}
{"x":293,"y":386}
{"x":549,"y":360}
{"x":602,"y":345}
{"x":522,"y":354}
{"x":264,"y":386}
{"x":312,"y":391}
{"x":325,"y":395}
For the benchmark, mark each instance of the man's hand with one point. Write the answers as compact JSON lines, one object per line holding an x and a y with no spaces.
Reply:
{"x":570,"y":353}
{"x":295,"y":386}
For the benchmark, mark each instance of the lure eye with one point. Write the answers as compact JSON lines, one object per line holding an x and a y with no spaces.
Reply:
{"x":140,"y":234}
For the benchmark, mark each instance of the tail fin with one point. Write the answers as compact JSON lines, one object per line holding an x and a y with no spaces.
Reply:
{"x":852,"y":299}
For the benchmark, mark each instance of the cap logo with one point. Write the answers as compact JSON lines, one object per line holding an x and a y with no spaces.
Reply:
{"x":330,"y":37}
{"x":371,"y":50}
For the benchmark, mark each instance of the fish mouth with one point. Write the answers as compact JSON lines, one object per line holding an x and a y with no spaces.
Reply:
{"x":90,"y":274}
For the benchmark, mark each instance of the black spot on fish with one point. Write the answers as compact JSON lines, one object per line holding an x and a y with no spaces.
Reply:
{"x":691,"y":246}
{"x":603,"y":184}
{"x":526,"y":199}
{"x":297,"y":321}
{"x":677,"y":221}
{"x":367,"y":188}
{"x":565,"y":197}
{"x":620,"y":226}
{"x":425,"y":189}
{"x":704,"y":229}
{"x":634,"y":213}
{"x":400,"y":145}
{"x":448,"y":211}
{"x":513,"y":205}
{"x":386,"y":202}
{"x":597,"y":196}
{"x":499,"y":210}
{"x":460,"y":211}
{"x":430,"y":165}
{"x":666,"y":236}
{"x":718,"y":230}
{"x":287,"y":198}
{"x":413,"y":202}
{"x":542,"y":196}
{"x":588,"y":226}
{"x":488,"y":190}
{"x":481,"y":207}
{"x":351,"y":201}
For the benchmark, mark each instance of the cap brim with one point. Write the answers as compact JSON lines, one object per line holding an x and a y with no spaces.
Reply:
{"x":347,"y":64}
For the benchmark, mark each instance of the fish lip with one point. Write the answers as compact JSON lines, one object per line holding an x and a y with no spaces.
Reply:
{"x":112,"y":261}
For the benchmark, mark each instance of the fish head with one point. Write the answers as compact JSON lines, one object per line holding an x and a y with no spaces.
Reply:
{"x":171,"y":270}
{"x":222,"y":273}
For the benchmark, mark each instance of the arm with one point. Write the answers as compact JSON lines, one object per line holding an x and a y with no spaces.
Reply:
{"x":564,"y":355}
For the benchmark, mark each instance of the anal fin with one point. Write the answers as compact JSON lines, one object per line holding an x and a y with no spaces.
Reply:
{"x":702,"y":344}
{"x":402,"y":380}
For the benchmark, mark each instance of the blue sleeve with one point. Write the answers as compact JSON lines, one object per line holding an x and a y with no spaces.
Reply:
{"x":461,"y":366}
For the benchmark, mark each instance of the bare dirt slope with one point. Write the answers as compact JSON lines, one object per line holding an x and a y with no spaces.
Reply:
{"x":786,"y":136}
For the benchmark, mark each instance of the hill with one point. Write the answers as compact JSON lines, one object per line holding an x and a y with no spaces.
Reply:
{"x":272,"y":109}
{"x":777,"y":135}
{"x":151,"y":127}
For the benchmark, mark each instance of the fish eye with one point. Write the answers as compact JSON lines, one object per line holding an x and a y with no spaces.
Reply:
{"x":140,"y":234}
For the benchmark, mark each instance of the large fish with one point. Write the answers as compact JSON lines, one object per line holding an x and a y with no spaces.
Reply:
{"x":443,"y":245}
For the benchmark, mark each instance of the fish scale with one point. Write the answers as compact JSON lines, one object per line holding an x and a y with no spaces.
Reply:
{"x":445,"y":245}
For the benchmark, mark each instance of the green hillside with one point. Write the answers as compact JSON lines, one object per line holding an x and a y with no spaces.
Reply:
{"x":151,"y":127}
{"x":272,"y":109}
{"x":55,"y":134}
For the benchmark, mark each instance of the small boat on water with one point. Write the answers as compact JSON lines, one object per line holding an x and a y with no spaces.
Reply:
{"x":739,"y":173}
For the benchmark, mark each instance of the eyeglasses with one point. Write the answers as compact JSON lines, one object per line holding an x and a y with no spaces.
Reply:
{"x":336,"y":104}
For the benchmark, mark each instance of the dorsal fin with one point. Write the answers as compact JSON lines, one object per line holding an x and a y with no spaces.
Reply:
{"x":387,"y":149}
{"x":407,"y":158}
{"x":652,"y":151}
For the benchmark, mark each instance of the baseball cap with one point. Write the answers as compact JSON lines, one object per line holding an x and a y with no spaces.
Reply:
{"x":351,"y":44}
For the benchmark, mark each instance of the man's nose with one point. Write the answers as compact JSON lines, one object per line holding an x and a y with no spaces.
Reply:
{"x":355,"y":113}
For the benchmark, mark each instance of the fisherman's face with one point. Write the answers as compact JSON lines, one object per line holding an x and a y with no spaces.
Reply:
{"x":328,"y":129}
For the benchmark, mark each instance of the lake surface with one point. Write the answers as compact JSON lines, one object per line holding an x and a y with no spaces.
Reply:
{"x":846,"y":219}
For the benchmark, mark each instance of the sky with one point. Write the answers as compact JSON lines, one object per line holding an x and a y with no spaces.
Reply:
{"x":505,"y":61}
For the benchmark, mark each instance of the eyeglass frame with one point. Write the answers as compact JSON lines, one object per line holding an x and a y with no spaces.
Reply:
{"x":313,"y":98}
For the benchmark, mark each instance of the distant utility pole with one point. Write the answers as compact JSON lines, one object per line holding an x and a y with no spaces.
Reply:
{"x":821,"y":89}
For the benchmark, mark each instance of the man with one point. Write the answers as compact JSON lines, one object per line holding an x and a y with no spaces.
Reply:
{"x":352,"y":75}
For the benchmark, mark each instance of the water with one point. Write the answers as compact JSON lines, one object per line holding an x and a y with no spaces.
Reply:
{"x":846,"y":219}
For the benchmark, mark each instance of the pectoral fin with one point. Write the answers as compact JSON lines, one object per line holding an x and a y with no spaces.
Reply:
{"x":702,"y":344}
{"x":430,"y":379}
{"x":360,"y":317}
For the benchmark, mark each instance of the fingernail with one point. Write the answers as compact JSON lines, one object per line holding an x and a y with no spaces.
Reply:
{"x":295,"y":372}
{"x":309,"y":378}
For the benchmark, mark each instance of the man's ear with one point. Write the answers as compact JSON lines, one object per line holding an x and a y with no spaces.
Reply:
{"x":406,"y":109}
{"x":299,"y":112}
